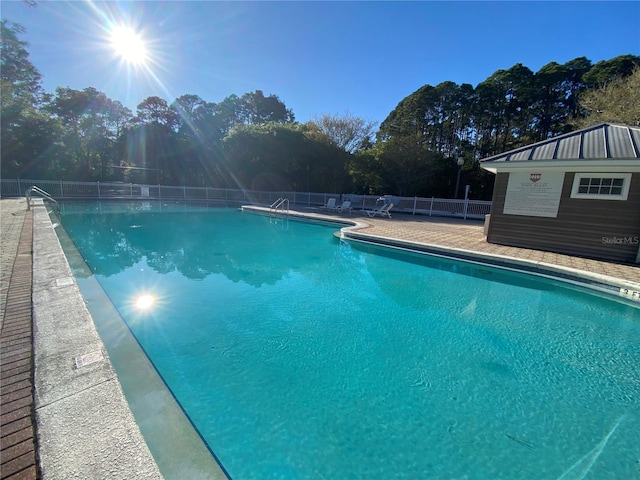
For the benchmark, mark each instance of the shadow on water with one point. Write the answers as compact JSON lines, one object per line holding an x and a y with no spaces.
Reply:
{"x":459,"y":267}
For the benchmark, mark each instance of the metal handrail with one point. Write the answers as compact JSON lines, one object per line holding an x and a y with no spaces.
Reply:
{"x":280,"y":204}
{"x":42,"y":193}
{"x":274,"y":204}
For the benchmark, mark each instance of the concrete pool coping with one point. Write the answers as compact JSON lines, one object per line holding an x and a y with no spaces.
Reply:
{"x":85,"y":425}
{"x":85,"y":428}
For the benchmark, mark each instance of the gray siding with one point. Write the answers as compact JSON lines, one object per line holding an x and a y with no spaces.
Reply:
{"x":584,"y":227}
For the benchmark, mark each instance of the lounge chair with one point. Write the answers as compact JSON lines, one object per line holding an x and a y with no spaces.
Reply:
{"x":383,"y":211}
{"x":331,"y":204}
{"x":346,"y":206}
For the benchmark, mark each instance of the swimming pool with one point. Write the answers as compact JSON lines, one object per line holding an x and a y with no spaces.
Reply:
{"x":297,"y":356}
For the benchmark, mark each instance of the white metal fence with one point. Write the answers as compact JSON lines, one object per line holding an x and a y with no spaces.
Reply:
{"x":65,"y":190}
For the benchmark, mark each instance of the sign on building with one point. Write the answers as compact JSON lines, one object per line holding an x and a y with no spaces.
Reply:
{"x":533,"y":193}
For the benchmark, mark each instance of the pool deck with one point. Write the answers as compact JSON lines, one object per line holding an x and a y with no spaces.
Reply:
{"x":80,"y":430}
{"x":64,"y":414}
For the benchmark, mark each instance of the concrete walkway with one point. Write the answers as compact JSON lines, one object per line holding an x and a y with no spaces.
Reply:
{"x":12,"y":214}
{"x":85,"y":427}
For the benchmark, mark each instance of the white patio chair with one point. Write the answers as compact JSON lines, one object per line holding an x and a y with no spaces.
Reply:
{"x":331,"y":204}
{"x":383,"y":211}
{"x":346,"y":206}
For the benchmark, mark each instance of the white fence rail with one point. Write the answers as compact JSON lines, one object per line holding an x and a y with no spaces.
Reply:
{"x":65,"y":190}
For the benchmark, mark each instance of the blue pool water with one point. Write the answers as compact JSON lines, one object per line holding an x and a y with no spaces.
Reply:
{"x":297,"y":356}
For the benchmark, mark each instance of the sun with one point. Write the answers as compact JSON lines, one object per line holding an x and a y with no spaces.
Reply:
{"x":128,"y":45}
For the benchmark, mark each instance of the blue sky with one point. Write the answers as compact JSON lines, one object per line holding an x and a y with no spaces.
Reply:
{"x":318,"y":57}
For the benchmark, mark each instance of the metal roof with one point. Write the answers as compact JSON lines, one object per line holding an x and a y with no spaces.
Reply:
{"x":598,"y":142}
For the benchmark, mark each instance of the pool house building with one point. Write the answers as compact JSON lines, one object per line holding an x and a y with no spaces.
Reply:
{"x":577,"y":193}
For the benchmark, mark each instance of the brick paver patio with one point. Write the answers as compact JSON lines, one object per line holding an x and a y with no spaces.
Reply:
{"x":17,"y":442}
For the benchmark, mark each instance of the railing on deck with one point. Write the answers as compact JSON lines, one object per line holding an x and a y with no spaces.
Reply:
{"x":45,"y":195}
{"x":66,"y":190}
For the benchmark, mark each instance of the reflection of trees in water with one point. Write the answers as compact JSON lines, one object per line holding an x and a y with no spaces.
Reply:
{"x":247,"y":249}
{"x":104,"y":248}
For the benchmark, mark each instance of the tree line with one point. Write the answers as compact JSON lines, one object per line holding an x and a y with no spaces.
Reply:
{"x":253,"y":140}
{"x":511,"y":108}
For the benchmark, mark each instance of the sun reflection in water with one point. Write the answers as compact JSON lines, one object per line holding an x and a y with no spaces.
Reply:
{"x":144,"y":302}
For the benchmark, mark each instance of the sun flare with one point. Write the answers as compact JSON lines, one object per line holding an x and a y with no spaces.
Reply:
{"x":128,"y":45}
{"x":145,"y":302}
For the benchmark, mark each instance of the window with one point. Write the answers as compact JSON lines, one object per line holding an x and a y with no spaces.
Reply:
{"x":602,"y":186}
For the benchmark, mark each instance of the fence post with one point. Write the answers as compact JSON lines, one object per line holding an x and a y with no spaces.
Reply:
{"x":61,"y":190}
{"x":99,"y":196}
{"x":19,"y":188}
{"x":431,"y":207}
{"x":466,"y":200}
{"x":415,"y":204}
{"x":159,"y":192}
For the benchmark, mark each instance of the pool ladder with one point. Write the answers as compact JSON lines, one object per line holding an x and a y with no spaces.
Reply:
{"x":279,"y":213}
{"x":31,"y":190}
{"x":281,"y":205}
